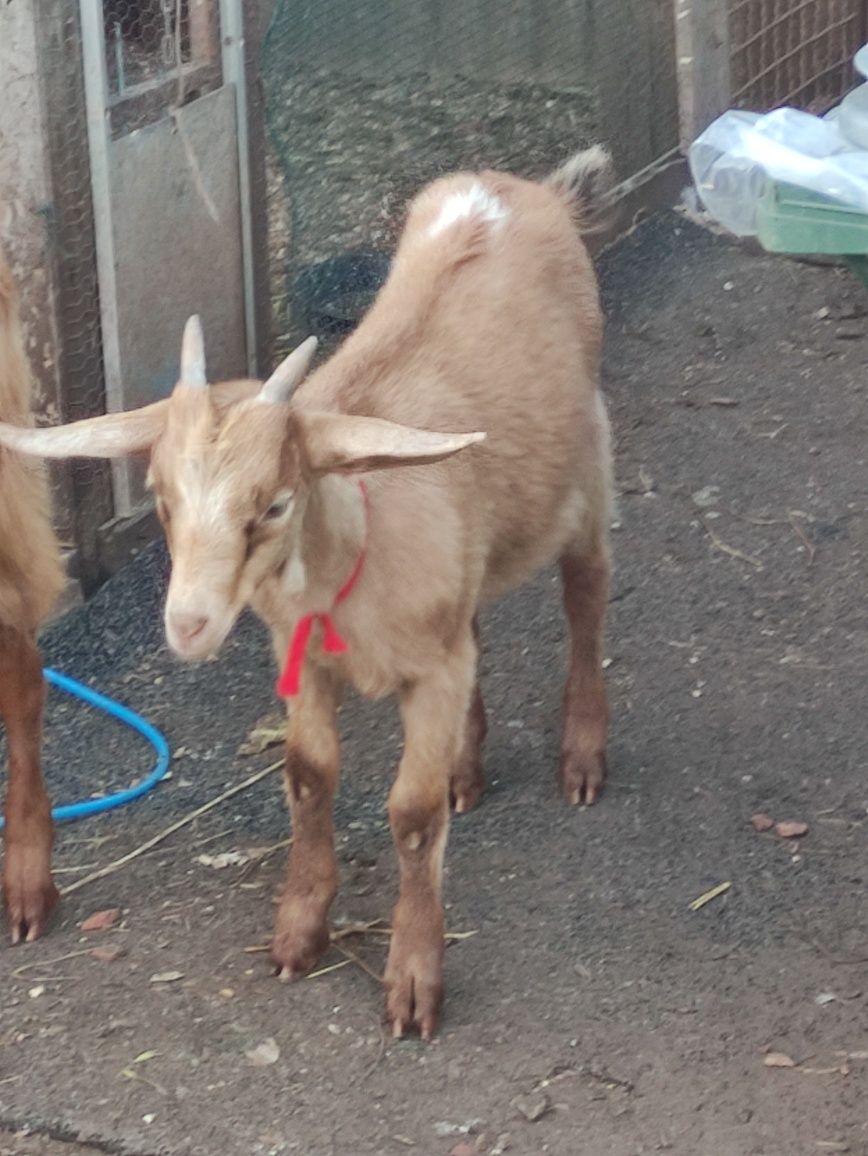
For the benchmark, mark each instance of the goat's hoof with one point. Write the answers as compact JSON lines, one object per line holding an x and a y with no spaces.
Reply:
{"x":30,"y":897}
{"x":414,"y":994}
{"x":294,"y":954}
{"x":582,"y":778}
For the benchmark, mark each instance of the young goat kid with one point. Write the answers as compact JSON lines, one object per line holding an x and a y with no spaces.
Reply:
{"x":31,"y":577}
{"x":489,"y":321}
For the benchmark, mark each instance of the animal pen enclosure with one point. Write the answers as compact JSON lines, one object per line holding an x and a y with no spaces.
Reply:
{"x":252,"y":161}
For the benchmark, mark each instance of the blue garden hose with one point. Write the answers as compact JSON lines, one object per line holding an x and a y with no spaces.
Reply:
{"x":130,"y":719}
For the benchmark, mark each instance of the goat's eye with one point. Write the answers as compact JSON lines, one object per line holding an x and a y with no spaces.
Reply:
{"x":277,"y":508}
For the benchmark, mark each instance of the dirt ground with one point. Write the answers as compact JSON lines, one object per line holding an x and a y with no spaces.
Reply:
{"x":590,"y":997}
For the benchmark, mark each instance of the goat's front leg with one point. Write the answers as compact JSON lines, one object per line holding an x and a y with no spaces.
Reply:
{"x":28,"y":890}
{"x":433,"y":711}
{"x":301,"y":933}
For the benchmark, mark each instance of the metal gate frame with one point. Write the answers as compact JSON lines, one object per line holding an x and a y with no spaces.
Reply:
{"x":98,"y":106}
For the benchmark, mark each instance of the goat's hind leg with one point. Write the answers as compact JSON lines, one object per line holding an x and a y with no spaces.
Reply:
{"x":585,"y":574}
{"x":28,"y":890}
{"x":467,"y":780}
{"x":301,"y":933}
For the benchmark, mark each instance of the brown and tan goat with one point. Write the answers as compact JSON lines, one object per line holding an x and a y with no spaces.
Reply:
{"x":489,"y":321}
{"x":31,"y":577}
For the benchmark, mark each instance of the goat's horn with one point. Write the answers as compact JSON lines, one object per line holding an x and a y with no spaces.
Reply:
{"x":193,"y":353}
{"x":289,"y":373}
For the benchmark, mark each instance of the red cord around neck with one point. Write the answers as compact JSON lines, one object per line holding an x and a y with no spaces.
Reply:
{"x":332,"y":643}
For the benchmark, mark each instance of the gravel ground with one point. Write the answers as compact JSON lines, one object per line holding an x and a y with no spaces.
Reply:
{"x":592,"y":1011}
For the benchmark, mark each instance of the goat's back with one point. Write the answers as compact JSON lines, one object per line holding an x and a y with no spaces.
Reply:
{"x":31,"y":574}
{"x":490,"y":320}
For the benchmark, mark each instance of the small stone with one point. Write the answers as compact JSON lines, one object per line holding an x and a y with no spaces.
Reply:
{"x":761,"y":822}
{"x":706,"y":497}
{"x":101,"y":920}
{"x":791,"y":829}
{"x":166,"y":977}
{"x":108,"y":953}
{"x":533,"y":1106}
{"x":778,"y":1060}
{"x":264,"y":1054}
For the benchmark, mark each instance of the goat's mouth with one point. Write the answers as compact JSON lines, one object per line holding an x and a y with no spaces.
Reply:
{"x":197,"y":638}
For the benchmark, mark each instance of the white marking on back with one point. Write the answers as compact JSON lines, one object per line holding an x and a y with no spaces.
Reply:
{"x":475,"y":201}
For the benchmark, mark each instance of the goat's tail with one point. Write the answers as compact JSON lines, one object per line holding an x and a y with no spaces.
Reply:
{"x":14,"y":375}
{"x":585,"y":183}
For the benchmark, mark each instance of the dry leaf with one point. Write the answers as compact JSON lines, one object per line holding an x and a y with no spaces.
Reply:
{"x":143,"y":1057}
{"x":224,"y":859}
{"x":761,"y":822}
{"x":791,"y":829}
{"x":268,"y":732}
{"x":778,"y":1060}
{"x":101,"y":920}
{"x":533,"y":1107}
{"x":264,"y":1054}
{"x":166,"y":977}
{"x":108,"y":953}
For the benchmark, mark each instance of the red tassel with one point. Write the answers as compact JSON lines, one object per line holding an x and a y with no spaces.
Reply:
{"x":290,"y":679}
{"x":332,"y":642}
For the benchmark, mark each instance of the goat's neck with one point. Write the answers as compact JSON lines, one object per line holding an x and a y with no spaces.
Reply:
{"x":332,"y":537}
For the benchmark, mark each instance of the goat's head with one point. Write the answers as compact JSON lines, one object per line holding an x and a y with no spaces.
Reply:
{"x":231,"y":468}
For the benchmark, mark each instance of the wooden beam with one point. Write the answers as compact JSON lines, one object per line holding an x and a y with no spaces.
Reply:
{"x":702,"y":47}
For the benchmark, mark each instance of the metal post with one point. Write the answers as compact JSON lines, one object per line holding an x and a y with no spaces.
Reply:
{"x":96,"y":93}
{"x":234,"y":72}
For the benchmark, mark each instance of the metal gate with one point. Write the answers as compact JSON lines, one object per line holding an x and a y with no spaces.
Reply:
{"x":165,"y":96}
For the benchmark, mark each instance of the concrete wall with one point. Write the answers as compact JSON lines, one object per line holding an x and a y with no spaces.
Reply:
{"x":24,"y":190}
{"x":25,"y":216}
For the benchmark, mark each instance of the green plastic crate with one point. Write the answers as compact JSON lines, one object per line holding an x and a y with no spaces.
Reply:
{"x":794,"y":220}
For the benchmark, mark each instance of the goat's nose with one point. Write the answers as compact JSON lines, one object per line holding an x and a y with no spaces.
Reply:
{"x":188,"y":624}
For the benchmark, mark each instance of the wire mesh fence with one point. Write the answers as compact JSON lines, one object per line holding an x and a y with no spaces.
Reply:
{"x":85,"y":486}
{"x":793,"y":52}
{"x":159,"y":54}
{"x":367,"y":101}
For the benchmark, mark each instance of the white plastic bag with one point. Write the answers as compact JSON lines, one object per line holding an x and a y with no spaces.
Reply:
{"x":733,"y":159}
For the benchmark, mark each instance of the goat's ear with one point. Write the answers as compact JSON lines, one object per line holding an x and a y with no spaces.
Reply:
{"x":339,"y":443}
{"x":113,"y":435}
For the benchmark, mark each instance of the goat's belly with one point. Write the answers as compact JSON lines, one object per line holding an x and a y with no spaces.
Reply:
{"x":524,"y":546}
